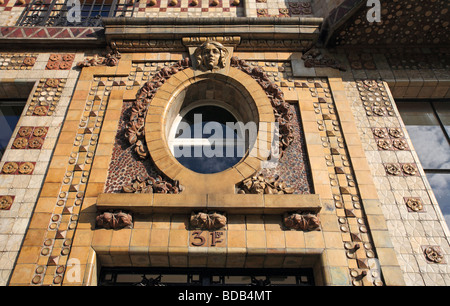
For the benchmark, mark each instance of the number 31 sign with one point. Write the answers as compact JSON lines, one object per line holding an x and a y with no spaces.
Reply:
{"x":204,"y":238}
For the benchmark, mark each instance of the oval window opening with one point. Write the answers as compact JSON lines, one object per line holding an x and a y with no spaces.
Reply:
{"x":208,"y":139}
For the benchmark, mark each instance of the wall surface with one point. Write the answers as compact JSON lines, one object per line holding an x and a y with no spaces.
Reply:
{"x":350,"y":162}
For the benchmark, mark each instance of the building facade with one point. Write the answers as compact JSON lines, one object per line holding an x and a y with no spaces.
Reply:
{"x":119,"y":160}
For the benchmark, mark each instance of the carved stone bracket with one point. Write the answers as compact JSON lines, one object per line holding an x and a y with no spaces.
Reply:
{"x":208,"y":220}
{"x":114,"y":220}
{"x":304,"y":221}
{"x":110,"y":59}
{"x":317,"y":58}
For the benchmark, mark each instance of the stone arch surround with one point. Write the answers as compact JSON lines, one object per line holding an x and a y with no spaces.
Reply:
{"x":156,"y":138}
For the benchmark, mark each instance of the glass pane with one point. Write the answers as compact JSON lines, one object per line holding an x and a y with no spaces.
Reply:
{"x":440,"y":183}
{"x":10,"y":113}
{"x":194,"y":158}
{"x":205,"y":143}
{"x":426,"y":134}
{"x":443,"y":111}
{"x":198,"y":119}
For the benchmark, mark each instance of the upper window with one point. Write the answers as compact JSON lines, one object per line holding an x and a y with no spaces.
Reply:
{"x":75,"y":13}
{"x":428,"y":125}
{"x":10,"y":112}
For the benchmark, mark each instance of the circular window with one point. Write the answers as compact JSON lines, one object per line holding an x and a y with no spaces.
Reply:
{"x":207,"y":139}
{"x":172,"y":140}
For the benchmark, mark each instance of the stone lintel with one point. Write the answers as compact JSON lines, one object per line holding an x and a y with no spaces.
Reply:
{"x":229,"y":203}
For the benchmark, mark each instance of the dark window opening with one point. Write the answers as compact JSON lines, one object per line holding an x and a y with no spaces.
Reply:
{"x":205,"y":277}
{"x":10,"y":112}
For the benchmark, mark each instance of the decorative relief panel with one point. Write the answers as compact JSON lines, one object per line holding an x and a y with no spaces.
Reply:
{"x":6,"y":202}
{"x":139,"y":177}
{"x":70,"y":191}
{"x":397,"y":17}
{"x":131,"y":170}
{"x":17,"y":61}
{"x":29,"y":137}
{"x":18,"y":168}
{"x":346,"y":196}
{"x":404,"y":198}
{"x":46,"y":97}
{"x":375,"y":99}
{"x":293,"y":8}
{"x":60,"y":61}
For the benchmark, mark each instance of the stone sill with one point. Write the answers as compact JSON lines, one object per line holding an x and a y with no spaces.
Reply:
{"x":228,"y":203}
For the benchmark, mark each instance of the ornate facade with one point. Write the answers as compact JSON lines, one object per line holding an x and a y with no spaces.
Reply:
{"x":331,"y":183}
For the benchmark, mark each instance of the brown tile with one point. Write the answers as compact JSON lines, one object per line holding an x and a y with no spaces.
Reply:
{"x":236,"y":239}
{"x":294,"y":239}
{"x":275,"y":239}
{"x":159,"y":237}
{"x":178,"y":238}
{"x":256,"y":239}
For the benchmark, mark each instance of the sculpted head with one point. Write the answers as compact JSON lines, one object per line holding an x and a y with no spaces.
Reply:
{"x":211,"y":56}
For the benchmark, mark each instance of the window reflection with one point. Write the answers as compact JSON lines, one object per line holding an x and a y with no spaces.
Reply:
{"x":440,"y":183}
{"x":443,"y":111}
{"x":426,"y":134}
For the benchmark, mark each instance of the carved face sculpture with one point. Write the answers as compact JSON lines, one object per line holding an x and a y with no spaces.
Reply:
{"x":211,"y":56}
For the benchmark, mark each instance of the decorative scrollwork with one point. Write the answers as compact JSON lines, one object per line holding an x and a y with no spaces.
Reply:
{"x":20,"y":143}
{"x":135,"y":127}
{"x":152,"y":185}
{"x":282,"y":111}
{"x":395,"y":132}
{"x":383,"y":144}
{"x":399,"y":144}
{"x":380,"y":133}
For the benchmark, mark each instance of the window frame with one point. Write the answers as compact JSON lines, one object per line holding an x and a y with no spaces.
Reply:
{"x":53,"y":13}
